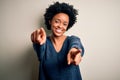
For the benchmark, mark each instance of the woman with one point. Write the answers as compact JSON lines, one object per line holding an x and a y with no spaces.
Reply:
{"x":59,"y":55}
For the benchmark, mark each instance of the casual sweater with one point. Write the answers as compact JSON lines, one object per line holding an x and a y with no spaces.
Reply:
{"x":53,"y":64}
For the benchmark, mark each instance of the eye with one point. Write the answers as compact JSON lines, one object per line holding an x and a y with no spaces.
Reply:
{"x":57,"y":21}
{"x":65,"y":24}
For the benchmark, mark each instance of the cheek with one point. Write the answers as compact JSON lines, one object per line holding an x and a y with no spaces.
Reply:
{"x":54,"y":25}
{"x":65,"y":28}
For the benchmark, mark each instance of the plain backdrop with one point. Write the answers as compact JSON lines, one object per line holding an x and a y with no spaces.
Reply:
{"x":98,"y":26}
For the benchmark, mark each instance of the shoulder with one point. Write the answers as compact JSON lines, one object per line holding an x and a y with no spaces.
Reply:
{"x":48,"y":39}
{"x":73,"y":37}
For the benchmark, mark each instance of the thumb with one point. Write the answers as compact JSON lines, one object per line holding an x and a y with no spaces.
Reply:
{"x":68,"y":59}
{"x":43,"y":36}
{"x":69,"y":62}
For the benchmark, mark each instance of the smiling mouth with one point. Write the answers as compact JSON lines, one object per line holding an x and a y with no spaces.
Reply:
{"x":58,"y":30}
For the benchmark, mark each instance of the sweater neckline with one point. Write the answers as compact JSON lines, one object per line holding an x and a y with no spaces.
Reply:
{"x":57,"y":52}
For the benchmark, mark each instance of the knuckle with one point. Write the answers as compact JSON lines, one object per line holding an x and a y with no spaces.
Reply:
{"x":38,"y":39}
{"x":38,"y":30}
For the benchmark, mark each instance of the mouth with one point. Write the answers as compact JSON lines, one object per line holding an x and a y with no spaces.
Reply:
{"x":58,"y":30}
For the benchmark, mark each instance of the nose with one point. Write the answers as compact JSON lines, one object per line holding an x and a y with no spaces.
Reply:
{"x":60,"y":25}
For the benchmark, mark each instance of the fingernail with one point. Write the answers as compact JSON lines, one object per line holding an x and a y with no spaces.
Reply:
{"x":68,"y":63}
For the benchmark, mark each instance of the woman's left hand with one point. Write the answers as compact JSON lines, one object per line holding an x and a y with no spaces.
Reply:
{"x":74,"y":56}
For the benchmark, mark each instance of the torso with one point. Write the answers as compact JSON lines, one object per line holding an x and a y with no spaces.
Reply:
{"x":54,"y":64}
{"x":58,"y":43}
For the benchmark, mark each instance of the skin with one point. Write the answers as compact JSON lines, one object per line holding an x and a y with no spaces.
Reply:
{"x":59,"y":24}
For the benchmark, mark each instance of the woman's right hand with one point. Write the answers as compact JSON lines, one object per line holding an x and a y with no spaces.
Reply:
{"x":38,"y":36}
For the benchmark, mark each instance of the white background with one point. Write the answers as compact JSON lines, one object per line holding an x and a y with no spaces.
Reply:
{"x":98,"y":26}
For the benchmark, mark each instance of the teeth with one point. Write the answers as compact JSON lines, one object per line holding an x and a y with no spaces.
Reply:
{"x":58,"y":30}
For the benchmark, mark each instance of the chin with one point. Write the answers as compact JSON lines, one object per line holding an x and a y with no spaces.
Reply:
{"x":58,"y":35}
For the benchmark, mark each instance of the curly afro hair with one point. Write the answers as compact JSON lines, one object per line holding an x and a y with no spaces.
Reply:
{"x":56,"y":8}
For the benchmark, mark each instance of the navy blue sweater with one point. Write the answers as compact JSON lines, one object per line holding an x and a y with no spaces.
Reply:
{"x":53,"y":65}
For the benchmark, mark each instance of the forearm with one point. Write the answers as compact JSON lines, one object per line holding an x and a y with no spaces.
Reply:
{"x":75,"y":42}
{"x":40,"y":50}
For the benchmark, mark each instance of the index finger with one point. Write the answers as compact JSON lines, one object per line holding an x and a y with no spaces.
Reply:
{"x":42,"y":31}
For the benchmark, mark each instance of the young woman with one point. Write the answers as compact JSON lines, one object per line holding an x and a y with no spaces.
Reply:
{"x":59,"y":55}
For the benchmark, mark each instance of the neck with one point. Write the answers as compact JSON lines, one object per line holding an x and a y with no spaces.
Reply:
{"x":57,"y":40}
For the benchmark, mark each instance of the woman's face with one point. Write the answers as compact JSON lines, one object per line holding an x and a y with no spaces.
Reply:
{"x":59,"y":24}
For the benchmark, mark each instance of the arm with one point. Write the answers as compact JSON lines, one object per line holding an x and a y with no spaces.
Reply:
{"x":38,"y":38}
{"x":40,"y":50}
{"x":75,"y":42}
{"x":76,"y":51}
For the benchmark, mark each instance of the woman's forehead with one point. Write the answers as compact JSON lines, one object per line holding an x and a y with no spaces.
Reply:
{"x":61,"y":16}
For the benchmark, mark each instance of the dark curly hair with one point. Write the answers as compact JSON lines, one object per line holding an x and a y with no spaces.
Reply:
{"x":56,"y":8}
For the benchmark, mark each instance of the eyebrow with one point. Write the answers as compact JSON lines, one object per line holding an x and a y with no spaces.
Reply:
{"x":60,"y":20}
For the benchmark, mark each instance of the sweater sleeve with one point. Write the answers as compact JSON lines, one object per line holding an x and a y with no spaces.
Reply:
{"x":40,"y":50}
{"x":75,"y":42}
